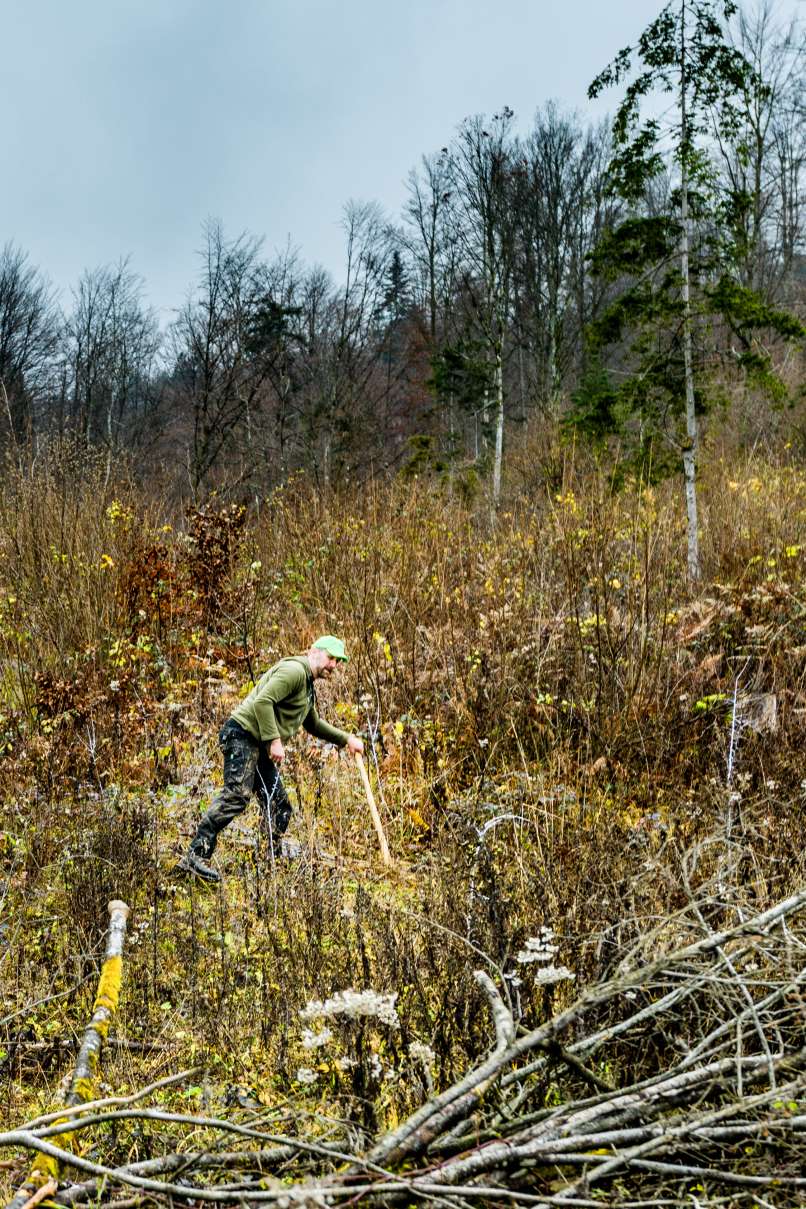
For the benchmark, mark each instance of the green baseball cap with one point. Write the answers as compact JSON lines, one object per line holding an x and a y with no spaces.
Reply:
{"x":333,"y":646}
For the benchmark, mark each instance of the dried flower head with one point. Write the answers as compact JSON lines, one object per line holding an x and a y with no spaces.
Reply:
{"x":375,"y":1066}
{"x":550,"y":974}
{"x":351,"y":1005}
{"x":422,"y":1053}
{"x":542,"y":949}
{"x":312,"y":1040}
{"x":538,"y":948}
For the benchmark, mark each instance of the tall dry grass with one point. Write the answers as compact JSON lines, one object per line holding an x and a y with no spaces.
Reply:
{"x":548,"y":710}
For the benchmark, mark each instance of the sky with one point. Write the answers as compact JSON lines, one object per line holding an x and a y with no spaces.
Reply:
{"x":127,"y":124}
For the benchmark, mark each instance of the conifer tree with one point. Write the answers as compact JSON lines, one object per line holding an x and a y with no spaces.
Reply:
{"x":685,"y":57}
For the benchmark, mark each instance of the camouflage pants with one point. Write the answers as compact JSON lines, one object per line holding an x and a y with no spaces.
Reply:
{"x":247,"y":770}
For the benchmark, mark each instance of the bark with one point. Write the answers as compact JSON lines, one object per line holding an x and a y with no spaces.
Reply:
{"x":498,"y":464}
{"x":48,"y":1166}
{"x":690,"y":449}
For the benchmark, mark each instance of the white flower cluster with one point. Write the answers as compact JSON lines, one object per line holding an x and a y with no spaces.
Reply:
{"x":375,"y":1066}
{"x":422,"y":1053}
{"x":553,"y":974}
{"x":306,"y":1075}
{"x":353,"y":1004}
{"x":538,"y":948}
{"x":541,"y":948}
{"x":136,"y":933}
{"x":312,"y":1040}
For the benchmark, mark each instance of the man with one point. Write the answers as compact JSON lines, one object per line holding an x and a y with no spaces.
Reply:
{"x":252,"y":742}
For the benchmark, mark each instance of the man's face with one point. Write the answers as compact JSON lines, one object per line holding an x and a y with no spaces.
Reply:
{"x":322,"y":664}
{"x":329,"y":666}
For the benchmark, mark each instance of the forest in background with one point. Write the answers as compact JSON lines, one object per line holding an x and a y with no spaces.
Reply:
{"x":487,"y":306}
{"x":581,"y":981}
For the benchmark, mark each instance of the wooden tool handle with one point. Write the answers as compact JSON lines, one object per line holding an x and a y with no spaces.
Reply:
{"x":373,"y":809}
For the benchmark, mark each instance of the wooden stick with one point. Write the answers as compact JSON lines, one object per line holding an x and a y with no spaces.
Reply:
{"x":41,"y":1193}
{"x":373,"y":809}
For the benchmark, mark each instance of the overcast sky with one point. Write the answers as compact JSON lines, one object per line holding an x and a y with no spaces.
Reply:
{"x":127,"y":123}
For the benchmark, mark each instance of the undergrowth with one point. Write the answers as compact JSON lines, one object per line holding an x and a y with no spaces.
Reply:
{"x":562,"y":736}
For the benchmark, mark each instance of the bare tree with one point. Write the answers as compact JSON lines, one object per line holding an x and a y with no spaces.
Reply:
{"x":109,"y":361}
{"x":764,"y":163}
{"x":480,"y":164}
{"x":561,"y":210}
{"x":346,"y":416}
{"x":275,"y":368}
{"x":217,"y":377}
{"x":29,"y":324}
{"x":428,"y":236}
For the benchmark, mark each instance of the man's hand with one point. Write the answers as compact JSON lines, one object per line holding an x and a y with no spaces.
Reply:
{"x":277,"y":751}
{"x":354,"y":745}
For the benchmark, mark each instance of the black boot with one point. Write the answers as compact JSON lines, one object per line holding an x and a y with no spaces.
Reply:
{"x":194,"y":862}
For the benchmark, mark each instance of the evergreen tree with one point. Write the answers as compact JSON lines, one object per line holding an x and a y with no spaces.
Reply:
{"x":397,"y":295}
{"x":673,"y":283}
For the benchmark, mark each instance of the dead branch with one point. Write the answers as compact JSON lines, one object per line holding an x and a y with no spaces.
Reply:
{"x":75,"y":1110}
{"x":737,"y":1084}
{"x":45,"y":1172}
{"x":40,"y":1194}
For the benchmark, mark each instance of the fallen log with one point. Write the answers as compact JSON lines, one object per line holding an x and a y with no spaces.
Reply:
{"x":46,"y":1168}
{"x":723,"y":1100}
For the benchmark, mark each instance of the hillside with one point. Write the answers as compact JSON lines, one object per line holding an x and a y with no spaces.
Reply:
{"x":591,"y":780}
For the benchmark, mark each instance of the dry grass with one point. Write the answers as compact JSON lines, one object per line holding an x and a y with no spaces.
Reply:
{"x":549,"y":708}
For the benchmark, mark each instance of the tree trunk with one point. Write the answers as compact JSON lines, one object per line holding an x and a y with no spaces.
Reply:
{"x":499,"y":427}
{"x":690,"y":448}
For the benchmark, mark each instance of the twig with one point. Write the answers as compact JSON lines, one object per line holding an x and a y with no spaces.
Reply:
{"x":611,"y":1165}
{"x":502,"y":1017}
{"x":688,"y":1120}
{"x":40,"y":1194}
{"x":422,"y":1128}
{"x":93,"y":1105}
{"x":296,"y":1145}
{"x":262,"y":1160}
{"x":558,"y":1052}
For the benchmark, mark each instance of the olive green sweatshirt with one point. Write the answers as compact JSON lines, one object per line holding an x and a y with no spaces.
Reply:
{"x":282,"y":701}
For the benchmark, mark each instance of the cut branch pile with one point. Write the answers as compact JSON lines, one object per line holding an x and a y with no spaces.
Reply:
{"x":683,"y":1072}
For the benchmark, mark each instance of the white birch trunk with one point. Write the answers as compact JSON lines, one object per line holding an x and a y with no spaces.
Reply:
{"x":690,"y":449}
{"x":499,"y":428}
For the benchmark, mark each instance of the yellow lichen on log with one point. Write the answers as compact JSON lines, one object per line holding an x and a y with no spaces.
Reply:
{"x":109,"y":985}
{"x":46,"y":1168}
